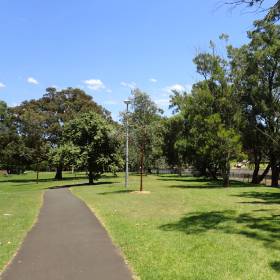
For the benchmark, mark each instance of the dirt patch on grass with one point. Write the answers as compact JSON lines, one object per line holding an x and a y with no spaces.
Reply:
{"x":142,"y":192}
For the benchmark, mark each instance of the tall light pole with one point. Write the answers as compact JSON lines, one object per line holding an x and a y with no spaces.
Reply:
{"x":127,"y":102}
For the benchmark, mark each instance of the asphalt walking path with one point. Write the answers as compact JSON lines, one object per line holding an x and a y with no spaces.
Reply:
{"x":67,"y":242}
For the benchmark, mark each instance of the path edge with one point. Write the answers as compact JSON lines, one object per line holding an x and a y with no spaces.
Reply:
{"x":35,"y":222}
{"x":118,"y":248}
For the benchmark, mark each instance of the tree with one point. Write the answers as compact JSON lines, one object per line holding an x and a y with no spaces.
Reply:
{"x":213,"y":142}
{"x":15,"y":156}
{"x":259,"y":85}
{"x":98,"y":148}
{"x":273,"y":13}
{"x":246,"y":83}
{"x":3,"y":115}
{"x":65,"y":154}
{"x":55,"y":108}
{"x":29,"y":121}
{"x":145,"y":128}
{"x":173,"y":130}
{"x":212,"y":117}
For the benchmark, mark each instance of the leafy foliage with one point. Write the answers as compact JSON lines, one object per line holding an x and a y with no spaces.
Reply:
{"x":92,"y":139}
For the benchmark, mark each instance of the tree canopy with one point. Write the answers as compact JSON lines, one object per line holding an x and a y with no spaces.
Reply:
{"x":97,"y":148}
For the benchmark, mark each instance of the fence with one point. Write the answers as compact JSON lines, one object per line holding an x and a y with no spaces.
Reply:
{"x":242,"y":175}
{"x":184,"y":172}
{"x":245,"y":175}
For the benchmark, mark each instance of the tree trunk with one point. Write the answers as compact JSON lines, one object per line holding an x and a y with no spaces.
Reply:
{"x":225,"y":173}
{"x":90,"y":177}
{"x":202,"y":170}
{"x":142,"y":169}
{"x":58,"y":174}
{"x":180,"y":170}
{"x":37,"y":173}
{"x":226,"y":180}
{"x":274,"y":171}
{"x":212,"y":173}
{"x":259,"y":178}
{"x":255,"y":175}
{"x":275,"y":176}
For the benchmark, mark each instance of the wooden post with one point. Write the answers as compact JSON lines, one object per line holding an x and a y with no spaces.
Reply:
{"x":37,"y":171}
{"x":142,"y":167}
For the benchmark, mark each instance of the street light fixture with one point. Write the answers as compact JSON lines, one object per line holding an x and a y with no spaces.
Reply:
{"x":127,"y":102}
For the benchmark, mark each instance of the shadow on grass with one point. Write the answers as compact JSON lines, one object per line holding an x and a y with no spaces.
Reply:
{"x":263,"y":197}
{"x":110,"y":176}
{"x":198,"y":222}
{"x":201,"y":183}
{"x":275,"y":266}
{"x":263,"y":227}
{"x":80,"y":185}
{"x":183,"y":179}
{"x":116,"y":192}
{"x":29,"y":180}
{"x":206,"y":186}
{"x":211,"y":185}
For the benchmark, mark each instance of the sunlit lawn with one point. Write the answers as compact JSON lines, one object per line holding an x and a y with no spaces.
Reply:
{"x":190,"y":228}
{"x":186,"y":228}
{"x":20,"y":201}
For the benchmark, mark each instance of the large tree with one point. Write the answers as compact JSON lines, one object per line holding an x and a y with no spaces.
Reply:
{"x":61,"y":106}
{"x":257,"y":79}
{"x":212,"y":117}
{"x":246,"y":83}
{"x":54,"y":109}
{"x":14,"y":155}
{"x":29,"y":123}
{"x":98,"y":148}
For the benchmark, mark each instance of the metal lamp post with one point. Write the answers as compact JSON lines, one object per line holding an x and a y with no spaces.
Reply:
{"x":127,"y":102}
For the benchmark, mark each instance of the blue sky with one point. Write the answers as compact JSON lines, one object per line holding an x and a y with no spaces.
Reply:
{"x":107,"y":46}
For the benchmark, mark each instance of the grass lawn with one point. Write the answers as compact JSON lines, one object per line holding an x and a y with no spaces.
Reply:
{"x":20,"y":201}
{"x":190,"y":228}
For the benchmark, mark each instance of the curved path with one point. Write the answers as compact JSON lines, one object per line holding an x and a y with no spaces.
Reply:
{"x":68,"y":243}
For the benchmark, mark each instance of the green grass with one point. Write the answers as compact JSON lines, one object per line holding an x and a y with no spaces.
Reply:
{"x":20,"y":201}
{"x":190,"y":228}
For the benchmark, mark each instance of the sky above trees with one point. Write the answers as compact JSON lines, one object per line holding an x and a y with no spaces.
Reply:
{"x":107,"y":47}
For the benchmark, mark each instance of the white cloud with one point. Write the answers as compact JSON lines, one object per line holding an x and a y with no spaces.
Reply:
{"x":131,"y":85}
{"x":32,"y":81}
{"x":178,"y":87}
{"x":2,"y":85}
{"x":109,"y":90}
{"x":153,"y":80}
{"x":95,"y":84}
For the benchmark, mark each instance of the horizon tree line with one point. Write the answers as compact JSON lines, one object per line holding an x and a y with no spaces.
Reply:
{"x":231,"y":114}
